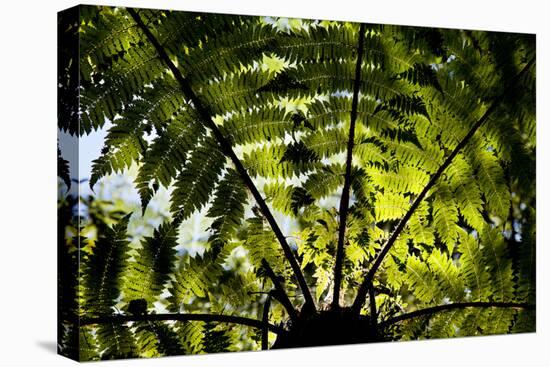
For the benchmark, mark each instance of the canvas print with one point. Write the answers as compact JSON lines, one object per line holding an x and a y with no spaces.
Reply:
{"x":239,"y":183}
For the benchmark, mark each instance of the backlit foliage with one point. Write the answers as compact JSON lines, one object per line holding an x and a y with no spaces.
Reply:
{"x":260,"y":110}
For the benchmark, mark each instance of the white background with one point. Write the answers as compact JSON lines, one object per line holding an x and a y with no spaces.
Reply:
{"x":28,"y":183}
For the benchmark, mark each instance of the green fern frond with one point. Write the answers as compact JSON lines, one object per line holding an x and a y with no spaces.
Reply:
{"x":422,"y":75}
{"x":229,"y":53}
{"x":447,"y":275}
{"x":194,"y":277}
{"x":116,"y":341}
{"x":317,"y":43}
{"x":124,"y":80}
{"x":157,"y":339}
{"x":262,"y":245}
{"x":196,"y":181}
{"x":326,"y":143}
{"x":227,"y":208}
{"x":527,"y":261}
{"x":105,"y":268}
{"x":167,"y":155}
{"x":492,"y":184}
{"x":421,"y":280}
{"x":267,"y":124}
{"x":472,"y":267}
{"x":499,"y":265}
{"x":191,"y":335}
{"x":425,"y":155}
{"x":390,"y":206}
{"x":216,"y":338}
{"x":268,"y":162}
{"x":419,"y":226}
{"x":279,"y":195}
{"x":153,"y":265}
{"x":405,"y":106}
{"x":403,"y":180}
{"x":238,"y":91}
{"x":124,"y":144}
{"x":324,"y":181}
{"x":467,"y":193}
{"x":445,"y":215}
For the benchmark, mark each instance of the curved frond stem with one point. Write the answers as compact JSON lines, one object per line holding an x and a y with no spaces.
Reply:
{"x":455,"y":306}
{"x":227,"y":149}
{"x":363,"y":289}
{"x":265,"y":321}
{"x":344,"y":201}
{"x":120,"y":319}
{"x":279,"y":294}
{"x":372,"y":305}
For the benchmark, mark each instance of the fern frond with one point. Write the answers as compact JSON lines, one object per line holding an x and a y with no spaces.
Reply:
{"x":237,"y":92}
{"x":492,"y":184}
{"x":326,"y":143}
{"x":116,"y":341}
{"x":447,"y":275}
{"x":467,"y":192}
{"x":527,"y":261}
{"x":195,"y":276}
{"x":267,"y":124}
{"x":419,"y":226}
{"x":445,"y":214}
{"x":153,"y":265}
{"x":268,"y":162}
{"x":421,"y":280}
{"x":472,"y":267}
{"x":228,"y":53}
{"x":167,"y":155}
{"x":87,"y":346}
{"x":324,"y":181}
{"x":105,"y":267}
{"x":279,"y":195}
{"x":338,"y":76}
{"x":402,"y":105}
{"x":156,"y":339}
{"x":425,"y":155}
{"x":499,"y":264}
{"x":124,"y":144}
{"x":390,"y":206}
{"x":315,"y":44}
{"x":196,"y":181}
{"x":403,"y":180}
{"x":422,"y":75}
{"x":262,"y":245}
{"x":125,"y":79}
{"x":216,"y":339}
{"x":191,"y":335}
{"x":445,"y":324}
{"x":228,"y":206}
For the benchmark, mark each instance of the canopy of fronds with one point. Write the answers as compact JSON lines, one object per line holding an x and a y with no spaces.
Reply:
{"x":405,"y":156}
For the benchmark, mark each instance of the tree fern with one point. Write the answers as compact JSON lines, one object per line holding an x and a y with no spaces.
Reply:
{"x":343,"y":182}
